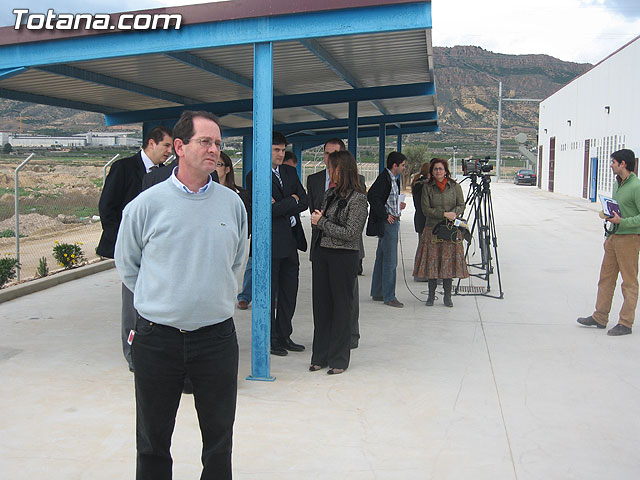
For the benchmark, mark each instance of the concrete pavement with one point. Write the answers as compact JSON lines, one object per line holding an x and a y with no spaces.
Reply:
{"x":490,"y":389}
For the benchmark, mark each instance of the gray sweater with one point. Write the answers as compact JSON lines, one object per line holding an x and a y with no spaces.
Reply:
{"x":180,"y":254}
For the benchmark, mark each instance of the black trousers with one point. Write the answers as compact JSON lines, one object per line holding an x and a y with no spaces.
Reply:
{"x":284,"y":293}
{"x":163,"y":356}
{"x":129,"y":316}
{"x":334,"y":274}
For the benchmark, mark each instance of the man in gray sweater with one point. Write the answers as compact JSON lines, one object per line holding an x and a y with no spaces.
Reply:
{"x":174,"y":232}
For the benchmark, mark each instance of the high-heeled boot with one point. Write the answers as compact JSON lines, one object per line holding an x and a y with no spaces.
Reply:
{"x":446,"y":283}
{"x":432,"y":292}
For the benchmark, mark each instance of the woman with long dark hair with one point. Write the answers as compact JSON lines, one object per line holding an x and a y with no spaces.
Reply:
{"x":335,"y":263}
{"x":442,"y":200}
{"x":226,"y":177}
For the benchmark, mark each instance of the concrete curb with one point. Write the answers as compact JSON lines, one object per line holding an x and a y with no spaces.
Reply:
{"x":33,"y":286}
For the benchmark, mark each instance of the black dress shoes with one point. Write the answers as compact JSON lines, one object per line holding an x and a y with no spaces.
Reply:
{"x":288,"y":344}
{"x":278,"y":350}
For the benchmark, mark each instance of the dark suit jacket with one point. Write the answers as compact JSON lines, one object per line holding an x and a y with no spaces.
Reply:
{"x":284,"y":239}
{"x":377,"y":196}
{"x":122,"y":185}
{"x":315,"y":192}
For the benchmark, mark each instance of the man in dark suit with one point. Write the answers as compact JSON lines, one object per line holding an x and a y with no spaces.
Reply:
{"x":288,"y":199}
{"x":384,"y":223}
{"x":317,"y":185}
{"x":122,"y":185}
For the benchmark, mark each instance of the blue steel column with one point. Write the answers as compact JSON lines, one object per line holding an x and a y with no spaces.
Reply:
{"x":261,"y":231}
{"x":399,"y":143}
{"x":382,"y":134}
{"x":297,"y":150}
{"x":247,"y":157}
{"x":353,"y":129}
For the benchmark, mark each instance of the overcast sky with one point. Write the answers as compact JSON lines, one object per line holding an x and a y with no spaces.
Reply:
{"x":572,"y":30}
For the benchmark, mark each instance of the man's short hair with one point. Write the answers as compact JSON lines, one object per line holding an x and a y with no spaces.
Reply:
{"x":184,"y":128}
{"x":290,"y":156}
{"x":156,"y":134}
{"x":336,"y":141}
{"x":279,"y":139}
{"x":395,"y":158}
{"x":627,"y":156}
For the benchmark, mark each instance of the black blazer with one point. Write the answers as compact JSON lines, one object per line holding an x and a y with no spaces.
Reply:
{"x":316,"y":192}
{"x":284,"y":239}
{"x":377,"y":197}
{"x":122,"y":185}
{"x":419,"y":219}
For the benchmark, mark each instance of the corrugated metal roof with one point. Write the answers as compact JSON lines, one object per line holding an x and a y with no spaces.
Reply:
{"x":153,"y":81}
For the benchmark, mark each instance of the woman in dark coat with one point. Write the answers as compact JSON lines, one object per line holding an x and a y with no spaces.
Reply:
{"x":419,"y":220}
{"x":442,"y":198}
{"x":335,"y":263}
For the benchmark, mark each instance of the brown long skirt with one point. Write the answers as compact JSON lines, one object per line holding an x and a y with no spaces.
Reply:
{"x":439,"y":259}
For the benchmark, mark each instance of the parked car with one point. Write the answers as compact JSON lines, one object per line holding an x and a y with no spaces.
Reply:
{"x":526,"y":177}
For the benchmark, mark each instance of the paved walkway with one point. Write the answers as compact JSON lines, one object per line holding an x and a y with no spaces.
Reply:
{"x":491,"y":389}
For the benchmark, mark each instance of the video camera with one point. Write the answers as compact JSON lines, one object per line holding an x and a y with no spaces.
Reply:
{"x":476,"y":166}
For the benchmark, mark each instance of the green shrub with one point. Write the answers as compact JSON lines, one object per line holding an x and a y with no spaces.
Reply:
{"x":68,"y":255}
{"x":8,"y":267}
{"x":43,"y":268}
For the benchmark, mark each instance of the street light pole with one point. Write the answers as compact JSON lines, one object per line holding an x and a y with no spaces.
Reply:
{"x":499,"y":140}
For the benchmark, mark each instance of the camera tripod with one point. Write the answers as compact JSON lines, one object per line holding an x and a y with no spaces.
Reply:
{"x":479,"y":199}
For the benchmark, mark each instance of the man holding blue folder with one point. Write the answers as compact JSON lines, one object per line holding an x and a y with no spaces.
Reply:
{"x":621,"y":249}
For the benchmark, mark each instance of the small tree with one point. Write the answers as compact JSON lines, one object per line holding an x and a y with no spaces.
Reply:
{"x":7,"y":148}
{"x":416,"y":156}
{"x":8,"y":267}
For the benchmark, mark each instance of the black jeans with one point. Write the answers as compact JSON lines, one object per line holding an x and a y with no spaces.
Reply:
{"x":163,"y":357}
{"x":334,"y":273}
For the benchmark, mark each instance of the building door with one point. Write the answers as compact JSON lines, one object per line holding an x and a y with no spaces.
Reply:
{"x":585,"y":174}
{"x":552,"y":161}
{"x":539,"y":166}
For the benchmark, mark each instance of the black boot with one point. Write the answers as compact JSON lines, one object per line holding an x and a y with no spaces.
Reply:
{"x":432,"y":292}
{"x":446,"y":283}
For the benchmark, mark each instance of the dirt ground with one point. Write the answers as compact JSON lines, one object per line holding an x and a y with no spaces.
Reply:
{"x":57,"y":202}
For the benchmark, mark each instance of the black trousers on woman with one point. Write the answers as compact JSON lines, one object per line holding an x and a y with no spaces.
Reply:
{"x":334,"y":274}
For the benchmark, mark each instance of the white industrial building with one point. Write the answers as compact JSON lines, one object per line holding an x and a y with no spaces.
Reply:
{"x":585,"y":121}
{"x":89,"y":139}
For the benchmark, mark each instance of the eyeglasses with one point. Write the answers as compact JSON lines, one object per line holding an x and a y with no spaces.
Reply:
{"x":439,"y":169}
{"x":206,"y":142}
{"x":220,"y":164}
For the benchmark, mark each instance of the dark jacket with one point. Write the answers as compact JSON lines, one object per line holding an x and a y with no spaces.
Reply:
{"x":122,"y":185}
{"x":377,"y":197}
{"x":284,"y":239}
{"x":419,"y":219}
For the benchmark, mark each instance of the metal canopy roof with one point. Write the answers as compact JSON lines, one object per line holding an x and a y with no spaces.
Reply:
{"x":316,"y":71}
{"x":371,"y":51}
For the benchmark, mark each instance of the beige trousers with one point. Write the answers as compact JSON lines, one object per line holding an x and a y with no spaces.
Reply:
{"x":620,"y":256}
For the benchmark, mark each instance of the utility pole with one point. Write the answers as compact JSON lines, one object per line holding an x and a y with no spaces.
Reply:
{"x":499,"y":139}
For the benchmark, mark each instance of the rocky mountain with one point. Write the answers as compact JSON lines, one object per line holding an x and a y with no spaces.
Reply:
{"x":466,"y":86}
{"x":467,"y":80}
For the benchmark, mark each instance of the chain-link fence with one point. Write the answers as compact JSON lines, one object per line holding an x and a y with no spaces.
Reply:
{"x":57,"y":201}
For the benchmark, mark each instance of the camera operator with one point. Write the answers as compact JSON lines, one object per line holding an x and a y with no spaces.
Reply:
{"x":442,"y":199}
{"x":621,"y":249}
